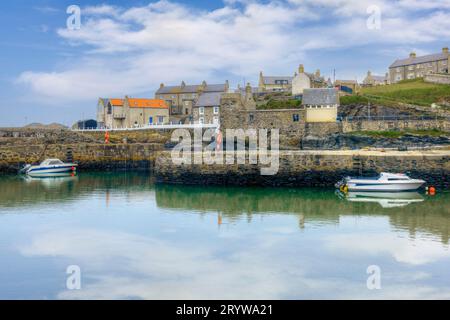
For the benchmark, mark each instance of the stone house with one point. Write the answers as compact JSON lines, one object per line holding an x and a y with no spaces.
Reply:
{"x":274,"y":83}
{"x":131,"y":112}
{"x":321,"y":104}
{"x":373,"y":80}
{"x":285,"y":83}
{"x":181,"y":99}
{"x":207,"y":108}
{"x":417,"y":67}
{"x":110,"y":113}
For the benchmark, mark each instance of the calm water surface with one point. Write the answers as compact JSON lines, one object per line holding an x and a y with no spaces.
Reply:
{"x":136,"y":240}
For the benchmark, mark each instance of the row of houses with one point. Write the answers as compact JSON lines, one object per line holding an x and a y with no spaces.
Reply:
{"x":201,"y":103}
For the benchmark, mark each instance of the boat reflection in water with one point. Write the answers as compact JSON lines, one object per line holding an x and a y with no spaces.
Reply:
{"x":386,"y":199}
{"x":51,"y":179}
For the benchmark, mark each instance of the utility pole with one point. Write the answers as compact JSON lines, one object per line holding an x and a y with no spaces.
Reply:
{"x":368,"y":110}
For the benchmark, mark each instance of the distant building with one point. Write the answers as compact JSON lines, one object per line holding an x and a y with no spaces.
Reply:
{"x":285,"y":83}
{"x":85,"y":124}
{"x":181,"y":99}
{"x":131,"y":112}
{"x":274,"y":83}
{"x":321,"y":104}
{"x":347,"y":86}
{"x":417,"y":67}
{"x":300,"y":82}
{"x":374,"y":80}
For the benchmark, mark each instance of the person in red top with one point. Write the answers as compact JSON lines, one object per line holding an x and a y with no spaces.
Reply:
{"x":106,"y":137}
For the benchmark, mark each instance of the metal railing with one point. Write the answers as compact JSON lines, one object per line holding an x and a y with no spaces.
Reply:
{"x":152,"y":127}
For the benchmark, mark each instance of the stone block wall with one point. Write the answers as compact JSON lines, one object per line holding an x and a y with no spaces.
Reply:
{"x":352,"y":126}
{"x":437,"y":78}
{"x":89,"y":156}
{"x":310,"y":169}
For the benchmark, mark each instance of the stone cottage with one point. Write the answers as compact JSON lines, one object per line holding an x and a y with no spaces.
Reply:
{"x":417,"y":67}
{"x":181,"y":99}
{"x":207,"y":108}
{"x":373,"y":80}
{"x":131,"y":112}
{"x":285,"y":83}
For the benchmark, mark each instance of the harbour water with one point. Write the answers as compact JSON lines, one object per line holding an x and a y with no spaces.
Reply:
{"x":131,"y":239}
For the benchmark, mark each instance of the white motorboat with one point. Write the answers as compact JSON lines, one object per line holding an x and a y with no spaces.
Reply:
{"x":50,"y":167}
{"x":385,"y":182}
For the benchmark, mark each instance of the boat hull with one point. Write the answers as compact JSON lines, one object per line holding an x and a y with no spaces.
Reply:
{"x":51,"y":170}
{"x":385,"y":186}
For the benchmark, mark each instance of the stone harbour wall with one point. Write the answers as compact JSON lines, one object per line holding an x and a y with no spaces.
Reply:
{"x":310,"y":168}
{"x":138,"y":156}
{"x":386,"y":125}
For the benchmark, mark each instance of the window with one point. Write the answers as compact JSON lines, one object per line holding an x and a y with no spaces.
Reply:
{"x":201,"y":110}
{"x":173,"y":96}
{"x":201,"y":120}
{"x":109,"y":108}
{"x":295,"y":117}
{"x":161,"y":97}
{"x":216,"y":110}
{"x":186,"y":103}
{"x":216,"y":120}
{"x":411,"y":68}
{"x":160,"y":119}
{"x":251,"y":117}
{"x":399,"y":69}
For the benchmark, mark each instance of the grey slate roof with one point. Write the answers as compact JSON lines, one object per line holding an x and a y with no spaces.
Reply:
{"x":209,"y":99}
{"x":272,"y":79}
{"x":191,"y":89}
{"x":422,"y":59}
{"x":322,"y":96}
{"x":379,"y":78}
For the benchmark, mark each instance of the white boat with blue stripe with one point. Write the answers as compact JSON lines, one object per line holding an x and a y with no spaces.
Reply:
{"x":385,"y":182}
{"x":50,"y":167}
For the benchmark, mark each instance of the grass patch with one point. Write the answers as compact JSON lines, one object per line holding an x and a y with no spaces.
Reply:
{"x":397,"y":134}
{"x":351,"y":100}
{"x":414,"y":91}
{"x":277,"y":104}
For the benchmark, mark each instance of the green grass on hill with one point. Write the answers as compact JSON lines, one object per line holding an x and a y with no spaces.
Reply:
{"x":414,"y":91}
{"x":398,"y":134}
{"x":277,"y":104}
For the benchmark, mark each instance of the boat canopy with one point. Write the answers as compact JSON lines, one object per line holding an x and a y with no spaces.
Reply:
{"x":51,"y":162}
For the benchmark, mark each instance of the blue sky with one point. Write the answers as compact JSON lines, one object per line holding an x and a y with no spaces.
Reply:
{"x":51,"y":74}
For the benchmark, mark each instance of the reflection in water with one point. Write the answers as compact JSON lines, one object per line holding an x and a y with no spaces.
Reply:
{"x":133,"y":239}
{"x":386,"y":199}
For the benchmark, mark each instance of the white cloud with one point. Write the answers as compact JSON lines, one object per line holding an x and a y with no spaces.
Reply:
{"x":132,"y":50}
{"x":410,"y":251}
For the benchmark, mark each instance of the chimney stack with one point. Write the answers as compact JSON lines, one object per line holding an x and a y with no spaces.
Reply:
{"x":301,"y":69}
{"x":412,"y":55}
{"x":445,"y":50}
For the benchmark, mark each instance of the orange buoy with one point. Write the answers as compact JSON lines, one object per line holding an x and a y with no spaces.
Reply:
{"x":432,"y":191}
{"x":106,"y":137}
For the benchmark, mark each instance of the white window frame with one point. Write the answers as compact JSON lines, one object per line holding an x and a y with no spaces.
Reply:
{"x":201,"y":120}
{"x":201,"y":110}
{"x":216,"y":120}
{"x":216,"y":110}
